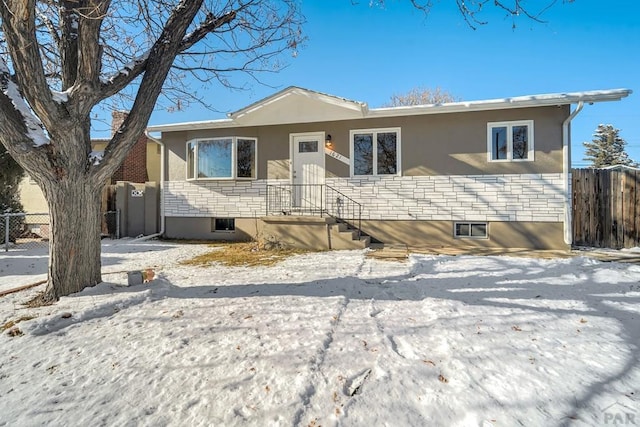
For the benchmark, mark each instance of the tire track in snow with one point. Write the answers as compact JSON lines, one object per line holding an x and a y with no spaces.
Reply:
{"x":316,"y":367}
{"x":317,"y":375}
{"x":357,"y":384}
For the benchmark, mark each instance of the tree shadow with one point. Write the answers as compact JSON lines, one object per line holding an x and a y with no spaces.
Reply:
{"x":34,"y":261}
{"x":497,"y":283}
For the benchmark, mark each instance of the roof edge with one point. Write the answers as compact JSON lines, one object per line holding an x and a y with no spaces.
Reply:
{"x":504,"y":103}
{"x":182,"y":126}
{"x":541,"y":100}
{"x":325,"y":97}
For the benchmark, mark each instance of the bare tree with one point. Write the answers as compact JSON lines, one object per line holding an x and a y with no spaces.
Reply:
{"x":62,"y":59}
{"x":473,"y":10}
{"x":421,"y":96}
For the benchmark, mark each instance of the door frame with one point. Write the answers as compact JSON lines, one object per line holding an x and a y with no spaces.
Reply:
{"x":292,"y":151}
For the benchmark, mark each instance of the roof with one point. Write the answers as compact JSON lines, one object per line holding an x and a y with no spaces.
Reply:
{"x":298,"y":105}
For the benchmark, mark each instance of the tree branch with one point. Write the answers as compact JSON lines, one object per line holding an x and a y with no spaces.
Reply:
{"x":69,"y":23}
{"x":90,"y":56}
{"x":208,"y":26}
{"x":156,"y":68}
{"x":18,"y":25}
{"x":139,"y":65}
{"x":22,"y":133}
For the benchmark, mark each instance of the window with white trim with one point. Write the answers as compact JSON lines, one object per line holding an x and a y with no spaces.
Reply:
{"x":510,"y":141}
{"x":375,"y":152}
{"x":230,"y":157}
{"x":471,"y":230}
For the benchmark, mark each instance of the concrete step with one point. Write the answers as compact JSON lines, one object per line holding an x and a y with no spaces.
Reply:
{"x":348,"y":238}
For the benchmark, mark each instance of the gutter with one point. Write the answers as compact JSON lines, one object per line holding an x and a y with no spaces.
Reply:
{"x":162,"y":173}
{"x":566,"y":169}
{"x":361,"y":110}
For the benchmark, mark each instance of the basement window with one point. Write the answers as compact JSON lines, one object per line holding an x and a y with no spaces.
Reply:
{"x":471,"y":230}
{"x":223,"y":224}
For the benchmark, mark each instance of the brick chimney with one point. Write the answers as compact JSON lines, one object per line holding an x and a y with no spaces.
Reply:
{"x":134,"y":166}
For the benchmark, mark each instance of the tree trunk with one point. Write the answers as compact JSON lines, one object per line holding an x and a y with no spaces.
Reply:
{"x":74,"y":246}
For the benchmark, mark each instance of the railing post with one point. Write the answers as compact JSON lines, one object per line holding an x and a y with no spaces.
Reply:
{"x":267,"y":202}
{"x":6,"y":233}
{"x":359,"y":221}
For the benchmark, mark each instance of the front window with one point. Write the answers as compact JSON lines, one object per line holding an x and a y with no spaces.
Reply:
{"x":222,"y":158}
{"x":510,"y":141}
{"x":191,"y":158}
{"x":375,"y":152}
{"x":363,"y":154}
{"x":214,"y":158}
{"x":246,"y":158}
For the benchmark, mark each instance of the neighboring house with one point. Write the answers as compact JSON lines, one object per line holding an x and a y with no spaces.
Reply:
{"x":142,"y":164}
{"x":478,"y":173}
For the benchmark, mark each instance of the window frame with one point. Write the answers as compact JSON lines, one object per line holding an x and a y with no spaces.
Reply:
{"x":470,"y":235}
{"x":234,"y":158}
{"x":375,"y":132}
{"x":510,"y":125}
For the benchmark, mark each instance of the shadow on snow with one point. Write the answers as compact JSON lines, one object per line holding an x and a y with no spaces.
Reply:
{"x":499,"y":282}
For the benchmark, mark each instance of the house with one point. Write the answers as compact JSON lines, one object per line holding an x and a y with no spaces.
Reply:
{"x":141,"y":165}
{"x":311,"y":169}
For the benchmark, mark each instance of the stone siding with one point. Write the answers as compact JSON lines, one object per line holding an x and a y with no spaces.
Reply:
{"x":532,"y":197}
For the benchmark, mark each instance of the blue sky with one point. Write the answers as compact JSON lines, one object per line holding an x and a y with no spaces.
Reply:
{"x":369,"y":53}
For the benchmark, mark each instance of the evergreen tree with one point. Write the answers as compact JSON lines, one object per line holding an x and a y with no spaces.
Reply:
{"x":10,"y":175}
{"x":607,"y":148}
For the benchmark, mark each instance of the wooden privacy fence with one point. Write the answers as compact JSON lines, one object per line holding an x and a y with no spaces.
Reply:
{"x":605,"y":208}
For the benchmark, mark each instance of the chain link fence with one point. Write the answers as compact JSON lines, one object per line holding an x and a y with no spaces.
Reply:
{"x":26,"y":231}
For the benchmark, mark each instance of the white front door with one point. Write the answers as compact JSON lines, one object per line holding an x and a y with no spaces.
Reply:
{"x":307,"y":170}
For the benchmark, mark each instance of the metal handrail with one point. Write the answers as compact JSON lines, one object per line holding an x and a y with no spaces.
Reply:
{"x":303,"y":199}
{"x":344,"y":208}
{"x":313,"y":199}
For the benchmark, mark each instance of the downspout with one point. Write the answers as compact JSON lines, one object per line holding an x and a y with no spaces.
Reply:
{"x":566,"y":169}
{"x":162,"y":173}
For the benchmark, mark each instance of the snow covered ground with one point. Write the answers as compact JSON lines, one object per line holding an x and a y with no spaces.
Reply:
{"x":324,"y":339}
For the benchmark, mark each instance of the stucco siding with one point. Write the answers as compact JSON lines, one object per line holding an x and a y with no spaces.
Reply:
{"x":431,"y":234}
{"x":31,"y":197}
{"x":432,"y":145}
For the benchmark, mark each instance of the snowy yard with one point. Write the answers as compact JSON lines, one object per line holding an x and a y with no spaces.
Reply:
{"x":323,"y":339}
